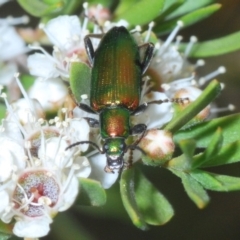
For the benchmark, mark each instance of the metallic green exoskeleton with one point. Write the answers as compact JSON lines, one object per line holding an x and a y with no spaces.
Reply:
{"x":116,"y":78}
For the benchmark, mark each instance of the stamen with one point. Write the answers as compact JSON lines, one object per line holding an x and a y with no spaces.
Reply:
{"x":230,"y":107}
{"x":84,"y":96}
{"x":26,"y":201}
{"x":136,"y":29}
{"x":85,"y":21}
{"x":178,"y":40}
{"x":70,"y":176}
{"x":188,"y":49}
{"x":23,"y":191}
{"x":28,"y":146}
{"x":24,"y":93}
{"x":212,"y":75}
{"x":43,"y":146}
{"x":45,"y":201}
{"x":14,"y":21}
{"x":10,"y":110}
{"x":150,"y":27}
{"x":171,"y":36}
{"x":199,"y":63}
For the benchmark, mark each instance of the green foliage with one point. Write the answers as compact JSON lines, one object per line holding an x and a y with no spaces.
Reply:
{"x":91,"y":193}
{"x":5,"y":230}
{"x":187,"y":19}
{"x":79,"y":80}
{"x":135,"y":11}
{"x":212,"y":143}
{"x":143,"y":202}
{"x":215,"y":47}
{"x":182,"y":118}
{"x":48,"y":9}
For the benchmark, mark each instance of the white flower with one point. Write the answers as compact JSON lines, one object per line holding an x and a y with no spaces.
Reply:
{"x":37,"y":187}
{"x":66,"y":34}
{"x":38,"y":176}
{"x":50,"y":94}
{"x":11,"y":44}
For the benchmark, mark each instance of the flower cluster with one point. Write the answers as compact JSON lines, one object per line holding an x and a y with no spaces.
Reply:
{"x":41,"y":162}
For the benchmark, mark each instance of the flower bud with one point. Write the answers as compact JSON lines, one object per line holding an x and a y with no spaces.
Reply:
{"x":158,"y":146}
{"x":192,"y":93}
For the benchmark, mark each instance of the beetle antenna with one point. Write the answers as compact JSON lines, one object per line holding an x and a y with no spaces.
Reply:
{"x":84,"y":142}
{"x":175,"y":100}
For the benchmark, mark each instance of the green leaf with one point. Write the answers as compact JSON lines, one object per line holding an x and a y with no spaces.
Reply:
{"x":207,"y":96}
{"x":202,"y":132}
{"x":215,"y":47}
{"x":2,"y":111}
{"x":27,"y":81}
{"x":167,"y":10}
{"x":129,"y":199}
{"x":189,"y":6}
{"x":188,"y":147}
{"x":229,"y":153}
{"x":194,"y":190}
{"x":39,"y":8}
{"x":80,"y":79}
{"x":4,"y":236}
{"x":140,"y":12}
{"x":212,"y":150}
{"x":216,"y":182}
{"x":154,"y":207}
{"x":67,"y":226}
{"x":5,"y":230}
{"x":187,"y":19}
{"x":91,"y":193}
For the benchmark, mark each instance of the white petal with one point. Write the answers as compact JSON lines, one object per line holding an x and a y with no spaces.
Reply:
{"x":4,"y":201}
{"x":98,"y":163}
{"x":70,"y":30}
{"x":79,"y":131}
{"x":7,"y":72}
{"x":69,"y":195}
{"x":11,"y":129}
{"x":40,"y":65}
{"x":156,"y":115}
{"x":50,"y":93}
{"x":32,"y":228}
{"x":12,"y":156}
{"x":55,"y":153}
{"x":11,"y":45}
{"x":85,"y":167}
{"x":168,"y":64}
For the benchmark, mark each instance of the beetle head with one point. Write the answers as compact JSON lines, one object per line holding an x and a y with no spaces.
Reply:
{"x":114,"y":149}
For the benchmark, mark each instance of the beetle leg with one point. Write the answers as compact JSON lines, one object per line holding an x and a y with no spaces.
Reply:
{"x":86,"y":108}
{"x":89,"y":46}
{"x":147,"y":55}
{"x":89,"y":49}
{"x":94,"y":123}
{"x":137,"y":129}
{"x":141,"y":108}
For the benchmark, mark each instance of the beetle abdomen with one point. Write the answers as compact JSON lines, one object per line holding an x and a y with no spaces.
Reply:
{"x":116,"y":73}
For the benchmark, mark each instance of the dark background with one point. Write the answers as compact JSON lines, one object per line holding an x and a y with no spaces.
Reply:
{"x":221,"y":218}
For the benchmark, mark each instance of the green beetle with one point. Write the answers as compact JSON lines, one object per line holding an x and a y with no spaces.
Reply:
{"x":116,"y":79}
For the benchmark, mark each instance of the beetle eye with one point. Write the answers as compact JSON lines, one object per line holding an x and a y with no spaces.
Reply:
{"x":106,"y":146}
